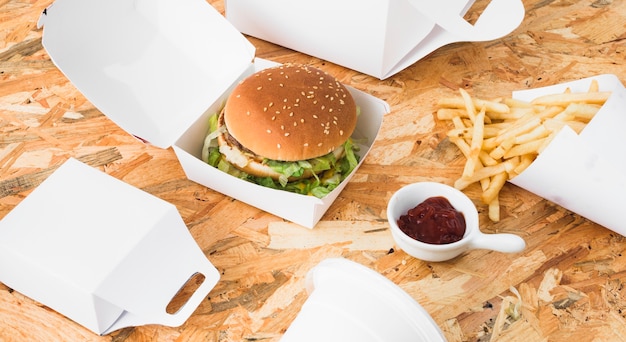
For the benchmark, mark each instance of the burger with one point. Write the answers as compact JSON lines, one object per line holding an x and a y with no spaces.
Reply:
{"x":288,"y":127}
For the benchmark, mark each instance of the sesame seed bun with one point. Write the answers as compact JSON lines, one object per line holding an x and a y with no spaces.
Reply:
{"x":290,"y":112}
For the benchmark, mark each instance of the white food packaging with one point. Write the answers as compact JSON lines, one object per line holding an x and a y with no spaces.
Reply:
{"x":584,"y":173}
{"x":377,"y":37}
{"x":101,"y":252}
{"x":350,"y":302}
{"x":160,"y":68}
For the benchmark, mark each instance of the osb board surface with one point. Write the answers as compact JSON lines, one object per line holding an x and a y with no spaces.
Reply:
{"x":570,"y":277}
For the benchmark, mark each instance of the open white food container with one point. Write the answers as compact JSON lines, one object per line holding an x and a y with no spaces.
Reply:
{"x":376,"y":37}
{"x":160,"y":68}
{"x":350,"y":302}
{"x":586,"y":172}
{"x":101,"y":252}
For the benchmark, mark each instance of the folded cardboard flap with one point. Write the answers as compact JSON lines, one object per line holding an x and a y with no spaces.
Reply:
{"x":379,"y":38}
{"x":584,"y":172}
{"x":152,"y":66}
{"x":101,"y":252}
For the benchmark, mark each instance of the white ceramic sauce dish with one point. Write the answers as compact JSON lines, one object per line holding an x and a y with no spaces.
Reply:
{"x":413,"y":194}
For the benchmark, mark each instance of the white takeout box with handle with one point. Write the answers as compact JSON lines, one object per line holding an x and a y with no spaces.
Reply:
{"x":101,"y":252}
{"x":586,"y":172}
{"x":160,"y":68}
{"x":376,"y":37}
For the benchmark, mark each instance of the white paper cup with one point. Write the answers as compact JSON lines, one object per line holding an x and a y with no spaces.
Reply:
{"x":411,"y":195}
{"x":350,"y":302}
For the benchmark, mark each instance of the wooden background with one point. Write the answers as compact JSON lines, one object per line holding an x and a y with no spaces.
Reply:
{"x":571,"y":275}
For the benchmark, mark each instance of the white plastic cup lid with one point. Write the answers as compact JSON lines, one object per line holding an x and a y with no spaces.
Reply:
{"x":350,"y":302}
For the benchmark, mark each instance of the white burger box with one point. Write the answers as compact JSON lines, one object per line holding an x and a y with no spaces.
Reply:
{"x":376,"y":37}
{"x":101,"y":252}
{"x":160,"y":68}
{"x":584,"y":173}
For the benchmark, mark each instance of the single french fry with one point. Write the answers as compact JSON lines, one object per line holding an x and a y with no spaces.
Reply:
{"x":500,"y":125}
{"x":458,"y":122}
{"x":486,"y":159}
{"x":467,"y":122}
{"x":499,"y":151}
{"x":567,"y":98}
{"x":464,"y":133}
{"x":565,"y":115}
{"x":514,"y":113}
{"x":525,"y":148}
{"x":525,"y":161}
{"x":577,"y":126}
{"x":537,"y":133}
{"x":476,"y":144}
{"x":490,"y":131}
{"x":494,"y":210}
{"x":492,"y":106}
{"x":553,"y":125}
{"x":583,"y":111}
{"x":489,"y":143}
{"x":515,"y":103}
{"x":449,"y":113}
{"x":594,"y":86}
{"x":556,"y":125}
{"x":469,"y":104}
{"x":546,"y":141}
{"x":495,"y":185}
{"x":526,"y":124}
{"x":461,"y":144}
{"x":484,"y":184}
{"x":485,"y":172}
{"x":549,"y":112}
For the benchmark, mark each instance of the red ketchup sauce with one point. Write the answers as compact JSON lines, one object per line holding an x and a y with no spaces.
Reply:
{"x":433,"y":221}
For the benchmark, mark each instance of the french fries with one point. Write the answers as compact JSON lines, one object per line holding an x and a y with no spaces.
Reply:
{"x":501,"y":138}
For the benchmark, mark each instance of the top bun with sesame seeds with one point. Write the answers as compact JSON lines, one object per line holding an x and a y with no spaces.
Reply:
{"x":290,"y":112}
{"x":287,"y":123}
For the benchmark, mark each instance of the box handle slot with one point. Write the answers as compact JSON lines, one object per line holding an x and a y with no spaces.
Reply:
{"x":499,"y":18}
{"x":184,"y":294}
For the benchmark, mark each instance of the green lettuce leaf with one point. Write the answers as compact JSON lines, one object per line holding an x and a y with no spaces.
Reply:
{"x":332,"y":171}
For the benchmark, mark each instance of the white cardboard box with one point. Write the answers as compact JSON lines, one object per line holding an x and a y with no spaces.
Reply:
{"x":101,"y":252}
{"x":376,"y":37}
{"x":160,"y":68}
{"x":586,"y":172}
